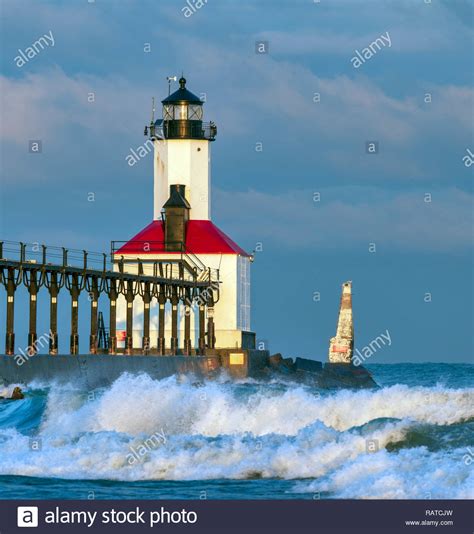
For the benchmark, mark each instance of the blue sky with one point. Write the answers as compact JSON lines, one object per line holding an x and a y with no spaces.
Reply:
{"x":309,"y":147}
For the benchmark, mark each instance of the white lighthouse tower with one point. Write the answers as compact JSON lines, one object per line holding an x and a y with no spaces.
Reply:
{"x":183,"y":154}
{"x":182,"y":224}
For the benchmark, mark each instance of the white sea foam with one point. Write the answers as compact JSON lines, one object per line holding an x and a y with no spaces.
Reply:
{"x":135,"y":405}
{"x":221,"y":430}
{"x":408,"y":474}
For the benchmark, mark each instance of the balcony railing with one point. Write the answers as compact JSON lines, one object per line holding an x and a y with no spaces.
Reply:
{"x":131,"y":250}
{"x":183,"y":129}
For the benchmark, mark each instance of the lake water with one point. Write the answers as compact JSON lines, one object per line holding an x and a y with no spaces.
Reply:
{"x":177,"y":438}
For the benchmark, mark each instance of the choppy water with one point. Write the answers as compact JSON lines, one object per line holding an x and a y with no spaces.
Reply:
{"x":412,"y":438}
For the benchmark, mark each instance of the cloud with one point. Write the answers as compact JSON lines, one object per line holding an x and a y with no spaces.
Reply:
{"x":52,"y":100}
{"x":252,"y":98}
{"x":461,"y":10}
{"x":80,"y":137}
{"x":348,"y":218}
{"x":53,"y":104}
{"x":274,"y":99}
{"x":403,"y":39}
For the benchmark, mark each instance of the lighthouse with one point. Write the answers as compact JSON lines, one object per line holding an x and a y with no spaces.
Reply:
{"x":182,"y":230}
{"x":183,"y":152}
{"x":341,"y":347}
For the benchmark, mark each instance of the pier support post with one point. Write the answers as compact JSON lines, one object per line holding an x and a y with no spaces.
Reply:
{"x":161,"y":321}
{"x":32,"y":334}
{"x":53,"y":314}
{"x":94,"y":296}
{"x":211,"y":337}
{"x":129,"y":298}
{"x":74,"y":291}
{"x":10,"y":332}
{"x":146,"y":319}
{"x":202,"y":328}
{"x":174,"y":321}
{"x":113,"y":318}
{"x":187,"y":324}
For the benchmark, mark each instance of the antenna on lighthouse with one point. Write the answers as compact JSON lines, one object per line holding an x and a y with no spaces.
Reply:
{"x":151,"y":127}
{"x":170,"y":79}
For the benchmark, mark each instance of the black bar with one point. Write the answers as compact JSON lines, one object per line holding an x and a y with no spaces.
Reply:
{"x":290,"y":516}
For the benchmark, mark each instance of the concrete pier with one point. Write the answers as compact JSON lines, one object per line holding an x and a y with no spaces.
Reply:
{"x":100,"y":370}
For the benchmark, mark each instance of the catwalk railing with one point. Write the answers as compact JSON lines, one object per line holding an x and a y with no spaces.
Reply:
{"x":54,"y":268}
{"x":181,"y":129}
{"x":128,"y":251}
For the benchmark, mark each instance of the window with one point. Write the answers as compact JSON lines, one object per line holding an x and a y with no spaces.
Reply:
{"x":243,"y":293}
{"x":168,"y":112}
{"x":195,"y":112}
{"x":181,"y":112}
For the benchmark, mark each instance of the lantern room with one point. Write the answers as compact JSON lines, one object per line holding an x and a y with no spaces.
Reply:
{"x":182,"y":116}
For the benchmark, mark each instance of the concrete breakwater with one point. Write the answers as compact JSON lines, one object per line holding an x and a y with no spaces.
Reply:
{"x":93,"y":370}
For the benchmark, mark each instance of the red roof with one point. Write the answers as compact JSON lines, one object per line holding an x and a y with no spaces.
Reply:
{"x":202,"y":237}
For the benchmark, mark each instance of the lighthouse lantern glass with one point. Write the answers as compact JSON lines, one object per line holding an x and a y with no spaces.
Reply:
{"x":168,"y":112}
{"x":181,"y":112}
{"x":195,"y":112}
